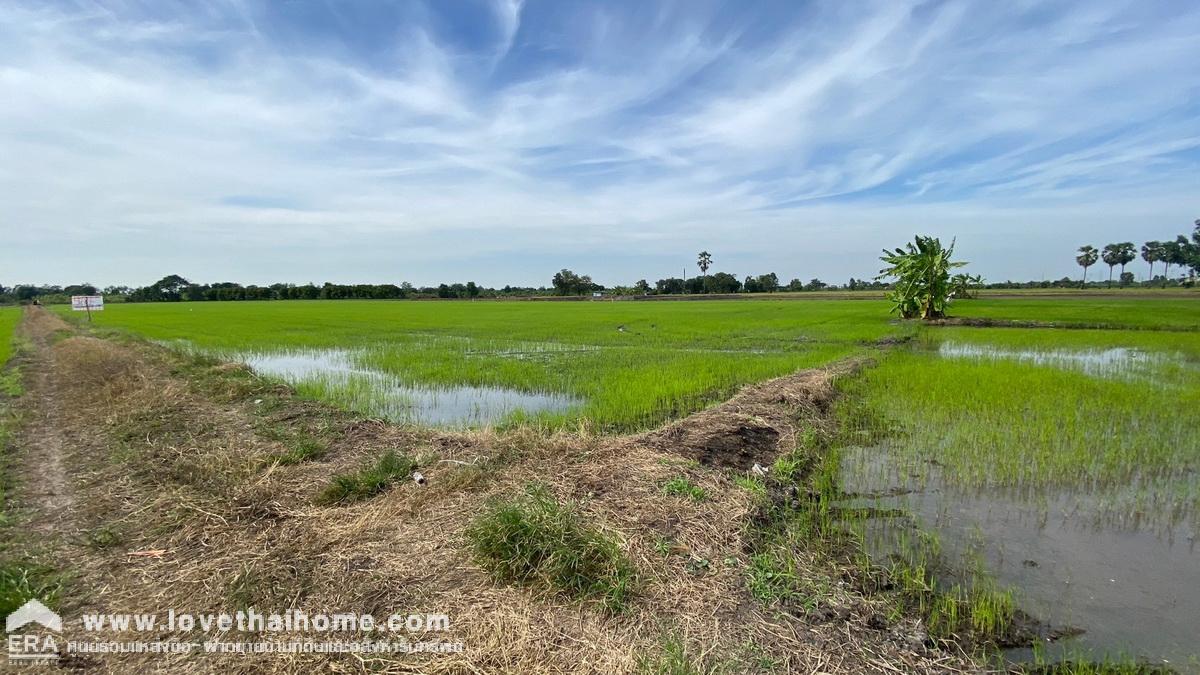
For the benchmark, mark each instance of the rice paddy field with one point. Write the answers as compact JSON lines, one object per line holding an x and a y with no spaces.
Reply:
{"x":9,"y":317}
{"x":614,"y":366}
{"x":1061,"y":464}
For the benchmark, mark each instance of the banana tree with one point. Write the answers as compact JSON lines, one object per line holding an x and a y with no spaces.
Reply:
{"x":922,"y":272}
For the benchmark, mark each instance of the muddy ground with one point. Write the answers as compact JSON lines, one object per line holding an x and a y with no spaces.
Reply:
{"x":151,"y":481}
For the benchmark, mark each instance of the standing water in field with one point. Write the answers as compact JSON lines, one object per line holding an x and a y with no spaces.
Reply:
{"x":1073,"y":562}
{"x":334,"y":375}
{"x":1107,"y":557}
{"x":1114,"y":362}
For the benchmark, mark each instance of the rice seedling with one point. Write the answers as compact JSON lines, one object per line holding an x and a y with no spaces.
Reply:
{"x":10,"y":378}
{"x":994,"y":421}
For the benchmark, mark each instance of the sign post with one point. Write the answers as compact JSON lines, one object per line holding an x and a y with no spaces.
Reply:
{"x":87,"y":303}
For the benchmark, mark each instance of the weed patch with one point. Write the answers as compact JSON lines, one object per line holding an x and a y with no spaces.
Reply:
{"x":369,"y":481}
{"x":682,"y":487}
{"x":300,"y":446}
{"x":21,"y":582}
{"x":535,"y":540}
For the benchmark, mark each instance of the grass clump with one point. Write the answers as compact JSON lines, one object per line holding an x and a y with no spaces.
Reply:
{"x":682,"y":487}
{"x":533,"y":539}
{"x":21,"y":582}
{"x":103,"y":538}
{"x":299,"y":450}
{"x":10,"y":382}
{"x":300,"y":446}
{"x":369,"y":481}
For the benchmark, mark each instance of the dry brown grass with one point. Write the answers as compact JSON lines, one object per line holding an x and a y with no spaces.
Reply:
{"x":156,"y":465}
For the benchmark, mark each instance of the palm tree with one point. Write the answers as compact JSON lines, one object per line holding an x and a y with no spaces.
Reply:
{"x":1174,"y":253}
{"x":1111,"y":255}
{"x":1088,"y":255}
{"x":704,"y":261}
{"x":1126,"y":253}
{"x":1152,"y":253}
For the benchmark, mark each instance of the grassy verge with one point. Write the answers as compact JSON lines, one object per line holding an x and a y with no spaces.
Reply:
{"x":535,"y":540}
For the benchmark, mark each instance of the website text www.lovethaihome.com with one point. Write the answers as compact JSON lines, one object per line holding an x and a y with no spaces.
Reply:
{"x":238,"y":632}
{"x":252,"y":621}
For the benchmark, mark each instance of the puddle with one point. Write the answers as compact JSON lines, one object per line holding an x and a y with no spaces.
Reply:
{"x":334,"y":375}
{"x":1114,"y":362}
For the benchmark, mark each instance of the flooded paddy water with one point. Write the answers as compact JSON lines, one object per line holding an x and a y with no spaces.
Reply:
{"x":338,"y":377}
{"x":1111,"y":568}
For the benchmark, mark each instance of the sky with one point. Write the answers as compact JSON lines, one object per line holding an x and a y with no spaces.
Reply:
{"x":500,"y":141}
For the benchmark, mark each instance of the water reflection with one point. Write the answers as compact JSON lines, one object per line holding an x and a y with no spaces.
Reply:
{"x":335,"y":375}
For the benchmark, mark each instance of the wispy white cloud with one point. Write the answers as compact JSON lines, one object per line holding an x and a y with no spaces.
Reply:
{"x":616,"y":139}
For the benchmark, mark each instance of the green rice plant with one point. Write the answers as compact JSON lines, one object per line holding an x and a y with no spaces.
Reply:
{"x":533,"y":539}
{"x":1007,"y":423}
{"x":1074,"y":662}
{"x":369,"y":481}
{"x":682,"y":487}
{"x":9,"y":318}
{"x":670,"y":358}
{"x":10,"y":378}
{"x":1168,"y":311}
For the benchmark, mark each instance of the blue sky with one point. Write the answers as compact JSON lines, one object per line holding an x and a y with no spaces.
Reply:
{"x":500,"y":140}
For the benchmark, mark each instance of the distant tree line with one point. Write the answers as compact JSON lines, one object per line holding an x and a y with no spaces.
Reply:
{"x":175,"y":288}
{"x":50,"y":294}
{"x":1182,"y":252}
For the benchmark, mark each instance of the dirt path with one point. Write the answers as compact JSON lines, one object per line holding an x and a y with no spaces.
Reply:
{"x":41,"y":469}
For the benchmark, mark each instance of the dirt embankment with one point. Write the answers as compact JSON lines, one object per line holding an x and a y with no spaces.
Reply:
{"x":158,"y":482}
